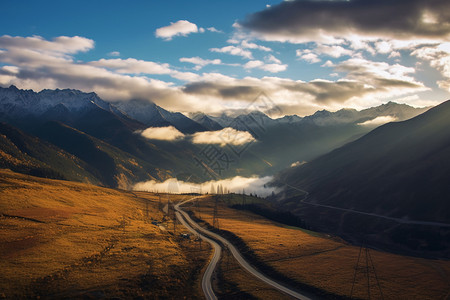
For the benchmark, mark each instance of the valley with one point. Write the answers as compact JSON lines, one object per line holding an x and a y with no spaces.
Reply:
{"x":66,"y":239}
{"x":277,"y":149}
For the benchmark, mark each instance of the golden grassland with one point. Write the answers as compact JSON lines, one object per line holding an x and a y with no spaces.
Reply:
{"x":237,"y":283}
{"x":64,"y":239}
{"x":329,"y":263}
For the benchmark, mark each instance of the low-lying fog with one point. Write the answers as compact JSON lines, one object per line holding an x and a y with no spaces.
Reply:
{"x":254,"y":185}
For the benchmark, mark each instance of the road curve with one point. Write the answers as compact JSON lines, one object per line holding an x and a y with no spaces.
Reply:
{"x":207,"y":277}
{"x":398,"y":220}
{"x":237,"y":255}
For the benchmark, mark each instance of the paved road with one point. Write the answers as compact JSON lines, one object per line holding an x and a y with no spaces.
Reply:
{"x":237,"y":255}
{"x":398,"y":220}
{"x":207,"y":277}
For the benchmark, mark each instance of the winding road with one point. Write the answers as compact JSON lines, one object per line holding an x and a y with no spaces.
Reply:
{"x":192,"y":226}
{"x":398,"y":220}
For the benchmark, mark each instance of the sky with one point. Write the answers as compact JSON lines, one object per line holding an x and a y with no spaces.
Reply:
{"x":215,"y":56}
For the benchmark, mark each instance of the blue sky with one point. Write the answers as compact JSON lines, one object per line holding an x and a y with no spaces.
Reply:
{"x":219,"y":55}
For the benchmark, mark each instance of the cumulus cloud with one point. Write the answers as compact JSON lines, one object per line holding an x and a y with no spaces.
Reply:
{"x":114,"y":53}
{"x":255,"y":185}
{"x":223,"y":137}
{"x":301,"y":21}
{"x":333,"y":51}
{"x":168,"y":133}
{"x":378,"y":121}
{"x":273,"y":68}
{"x":233,"y":50}
{"x":438,"y":57}
{"x":179,"y":28}
{"x":307,"y":55}
{"x":132,"y":66}
{"x":213,"y":29}
{"x":36,"y":63}
{"x":61,"y":45}
{"x":250,"y":45}
{"x":200,"y":62}
{"x":272,"y":59}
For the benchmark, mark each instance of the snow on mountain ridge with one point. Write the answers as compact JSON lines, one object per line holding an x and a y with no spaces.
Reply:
{"x":16,"y":102}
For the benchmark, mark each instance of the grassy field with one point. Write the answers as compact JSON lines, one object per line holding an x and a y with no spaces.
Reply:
{"x":64,"y":239}
{"x":329,"y":263}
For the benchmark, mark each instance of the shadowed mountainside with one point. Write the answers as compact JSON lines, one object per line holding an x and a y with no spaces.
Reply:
{"x":399,"y":170}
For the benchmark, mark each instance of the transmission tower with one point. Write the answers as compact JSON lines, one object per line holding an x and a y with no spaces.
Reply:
{"x":365,"y":268}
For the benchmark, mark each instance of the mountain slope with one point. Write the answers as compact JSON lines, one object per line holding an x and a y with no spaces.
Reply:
{"x":399,"y":170}
{"x":114,"y":167}
{"x":23,"y":153}
{"x":207,"y":122}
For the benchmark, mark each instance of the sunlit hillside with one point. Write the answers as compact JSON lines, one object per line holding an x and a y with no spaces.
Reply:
{"x":64,"y":239}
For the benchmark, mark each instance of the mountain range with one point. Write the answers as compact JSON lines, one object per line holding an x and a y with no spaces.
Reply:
{"x":104,"y":137}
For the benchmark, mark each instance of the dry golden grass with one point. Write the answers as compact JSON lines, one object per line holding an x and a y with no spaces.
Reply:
{"x":66,"y":239}
{"x":237,"y":283}
{"x":329,"y":263}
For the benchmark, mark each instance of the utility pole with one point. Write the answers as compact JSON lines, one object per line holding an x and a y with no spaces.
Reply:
{"x":197,"y":203}
{"x":215,"y":217}
{"x":146,"y":211}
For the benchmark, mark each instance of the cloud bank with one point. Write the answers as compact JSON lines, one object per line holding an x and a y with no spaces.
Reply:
{"x":168,"y":133}
{"x":223,"y":137}
{"x":378,"y":121}
{"x":300,"y":21}
{"x":255,"y":185}
{"x":36,"y":63}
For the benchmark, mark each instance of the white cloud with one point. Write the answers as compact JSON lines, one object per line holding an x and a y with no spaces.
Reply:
{"x":59,"y":46}
{"x":114,"y":53}
{"x":213,"y":29}
{"x":133,"y":66}
{"x":233,"y":50}
{"x":253,"y":64}
{"x":378,"y":121}
{"x":223,"y":137}
{"x":168,"y":133}
{"x":37,"y":64}
{"x":254,"y":185}
{"x":307,"y":55}
{"x":250,"y":45}
{"x":333,"y":51}
{"x":179,"y":28}
{"x":438,"y":56}
{"x":297,"y":163}
{"x":272,"y":59}
{"x":273,"y":68}
{"x":200,"y":62}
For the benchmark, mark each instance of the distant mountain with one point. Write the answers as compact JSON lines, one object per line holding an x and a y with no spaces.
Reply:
{"x":99,"y":134}
{"x":287,"y":140}
{"x":207,"y":122}
{"x":152,"y":115}
{"x":398,"y":112}
{"x":279,"y":142}
{"x":289,"y":119}
{"x":399,"y":171}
